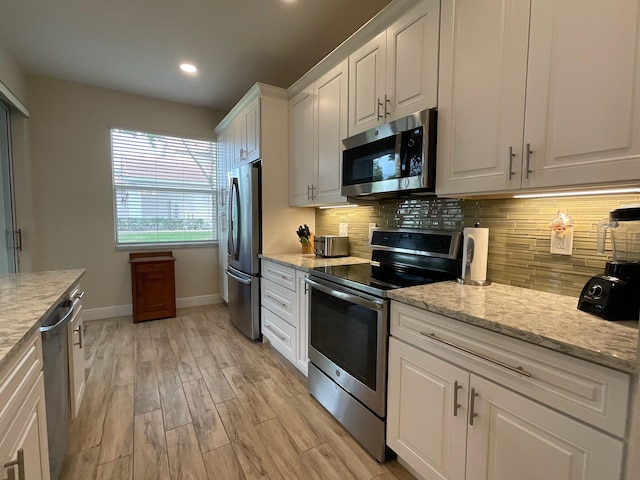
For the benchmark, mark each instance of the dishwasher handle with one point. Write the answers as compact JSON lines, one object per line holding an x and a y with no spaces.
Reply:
{"x":49,"y":330}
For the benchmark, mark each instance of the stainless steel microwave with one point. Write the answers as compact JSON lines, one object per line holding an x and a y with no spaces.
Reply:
{"x":393,"y":159}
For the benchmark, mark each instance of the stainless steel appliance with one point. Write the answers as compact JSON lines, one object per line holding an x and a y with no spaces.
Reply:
{"x":331,"y":246}
{"x":616,"y":294}
{"x":393,"y":159}
{"x":55,"y":360}
{"x":349,"y":324}
{"x":244,"y":245}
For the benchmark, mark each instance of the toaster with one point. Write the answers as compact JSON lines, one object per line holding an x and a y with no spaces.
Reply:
{"x":331,"y":246}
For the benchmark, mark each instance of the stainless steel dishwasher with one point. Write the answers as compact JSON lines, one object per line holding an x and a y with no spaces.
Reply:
{"x":55,"y":352}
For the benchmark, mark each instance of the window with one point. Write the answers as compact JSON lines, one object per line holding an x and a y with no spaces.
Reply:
{"x":164,"y":189}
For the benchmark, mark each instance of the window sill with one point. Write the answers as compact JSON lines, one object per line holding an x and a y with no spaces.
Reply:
{"x":164,"y":246}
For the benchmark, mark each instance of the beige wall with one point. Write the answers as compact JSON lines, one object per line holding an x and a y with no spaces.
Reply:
{"x":72,"y":190}
{"x":14,"y":81}
{"x":12,"y":75}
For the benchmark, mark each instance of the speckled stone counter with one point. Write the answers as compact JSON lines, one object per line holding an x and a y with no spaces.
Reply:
{"x":306,"y":262}
{"x":25,"y":298}
{"x":545,"y":319}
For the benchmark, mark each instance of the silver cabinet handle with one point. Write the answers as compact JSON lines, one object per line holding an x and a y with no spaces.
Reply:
{"x":510,"y":166}
{"x":79,"y":295}
{"x":283,"y":338}
{"x":518,"y":370}
{"x":456,"y":405}
{"x":275,"y":300}
{"x":379,"y":116}
{"x":11,"y":475}
{"x":79,"y":330}
{"x":278,"y":274}
{"x":472,"y":406}
{"x":527,"y":160}
{"x":386,"y":101}
{"x":18,"y":462}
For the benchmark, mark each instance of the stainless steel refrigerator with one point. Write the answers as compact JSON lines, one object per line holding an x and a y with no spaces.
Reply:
{"x":245,"y":243}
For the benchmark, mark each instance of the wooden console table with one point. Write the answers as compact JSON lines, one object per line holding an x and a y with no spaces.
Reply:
{"x":153,"y":285}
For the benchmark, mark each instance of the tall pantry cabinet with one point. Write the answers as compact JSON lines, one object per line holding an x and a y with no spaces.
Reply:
{"x":537,"y":94}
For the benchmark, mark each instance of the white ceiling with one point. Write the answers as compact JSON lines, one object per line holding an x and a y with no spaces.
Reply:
{"x":136,"y":45}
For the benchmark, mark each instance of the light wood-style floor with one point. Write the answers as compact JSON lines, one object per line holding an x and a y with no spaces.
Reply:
{"x":191,"y":398}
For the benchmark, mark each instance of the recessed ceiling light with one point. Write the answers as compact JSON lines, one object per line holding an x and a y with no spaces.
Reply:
{"x":188,"y":68}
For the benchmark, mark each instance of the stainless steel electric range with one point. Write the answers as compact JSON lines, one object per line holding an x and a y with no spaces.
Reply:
{"x":349,"y":324}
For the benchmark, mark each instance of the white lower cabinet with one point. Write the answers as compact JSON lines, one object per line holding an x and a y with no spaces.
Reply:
{"x":284,"y":315}
{"x":23,"y":424}
{"x":448,"y":422}
{"x":75,"y":338}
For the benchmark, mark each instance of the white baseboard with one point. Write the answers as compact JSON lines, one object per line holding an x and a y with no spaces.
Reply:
{"x":124,"y":310}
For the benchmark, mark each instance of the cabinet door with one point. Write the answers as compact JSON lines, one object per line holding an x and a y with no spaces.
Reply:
{"x":155,"y":291}
{"x":252,"y":129}
{"x":330,"y":94}
{"x":75,"y":337}
{"x":301,"y":161}
{"x":303,"y":322}
{"x":366,"y":85}
{"x":583,"y":93}
{"x":239,"y":130}
{"x":425,"y":425}
{"x":28,"y":433}
{"x":412,"y":61}
{"x":483,"y":64}
{"x":514,"y":437}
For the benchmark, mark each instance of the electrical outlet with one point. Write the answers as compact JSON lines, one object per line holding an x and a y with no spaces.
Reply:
{"x":371,"y":227}
{"x":343,"y":230}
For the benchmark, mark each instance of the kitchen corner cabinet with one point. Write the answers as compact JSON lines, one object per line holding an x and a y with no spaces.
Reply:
{"x":396,"y":73}
{"x":318,"y":124}
{"x":283,"y":312}
{"x":75,"y":339}
{"x":454,"y":415}
{"x":532,"y":97}
{"x":246,"y":134}
{"x":23,"y":423}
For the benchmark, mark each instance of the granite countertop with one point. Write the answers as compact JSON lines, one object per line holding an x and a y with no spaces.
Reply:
{"x":306,"y":262}
{"x":541,"y":318}
{"x":25,"y":298}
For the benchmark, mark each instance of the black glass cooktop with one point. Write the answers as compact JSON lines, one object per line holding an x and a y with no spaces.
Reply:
{"x":376,"y":280}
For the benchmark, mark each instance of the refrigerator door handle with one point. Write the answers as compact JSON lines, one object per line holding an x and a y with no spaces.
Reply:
{"x":234,"y":223}
{"x":237,"y":278}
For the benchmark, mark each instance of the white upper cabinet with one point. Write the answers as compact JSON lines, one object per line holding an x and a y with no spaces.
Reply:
{"x":396,"y":73}
{"x":582,"y":117}
{"x":225,"y":151}
{"x":330,"y":93}
{"x":246,"y":134}
{"x":301,"y":132}
{"x":318,"y":123}
{"x":531,"y":95}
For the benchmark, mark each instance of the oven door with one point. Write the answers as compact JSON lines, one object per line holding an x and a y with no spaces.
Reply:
{"x":348,"y":339}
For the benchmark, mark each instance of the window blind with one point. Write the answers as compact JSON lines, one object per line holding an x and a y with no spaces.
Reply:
{"x":164,"y":189}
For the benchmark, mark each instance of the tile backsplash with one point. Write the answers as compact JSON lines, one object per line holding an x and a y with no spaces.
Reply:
{"x":519,"y":233}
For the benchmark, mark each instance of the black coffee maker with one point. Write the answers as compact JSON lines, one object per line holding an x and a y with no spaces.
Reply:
{"x":616,"y":294}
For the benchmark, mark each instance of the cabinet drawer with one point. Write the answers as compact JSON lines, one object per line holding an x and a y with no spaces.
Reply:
{"x":153,"y":267}
{"x":17,"y":383}
{"x":592,"y":393}
{"x":280,"y":334}
{"x":279,"y":300}
{"x":285,"y":276}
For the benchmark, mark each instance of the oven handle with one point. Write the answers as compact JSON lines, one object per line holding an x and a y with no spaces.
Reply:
{"x":371,"y":304}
